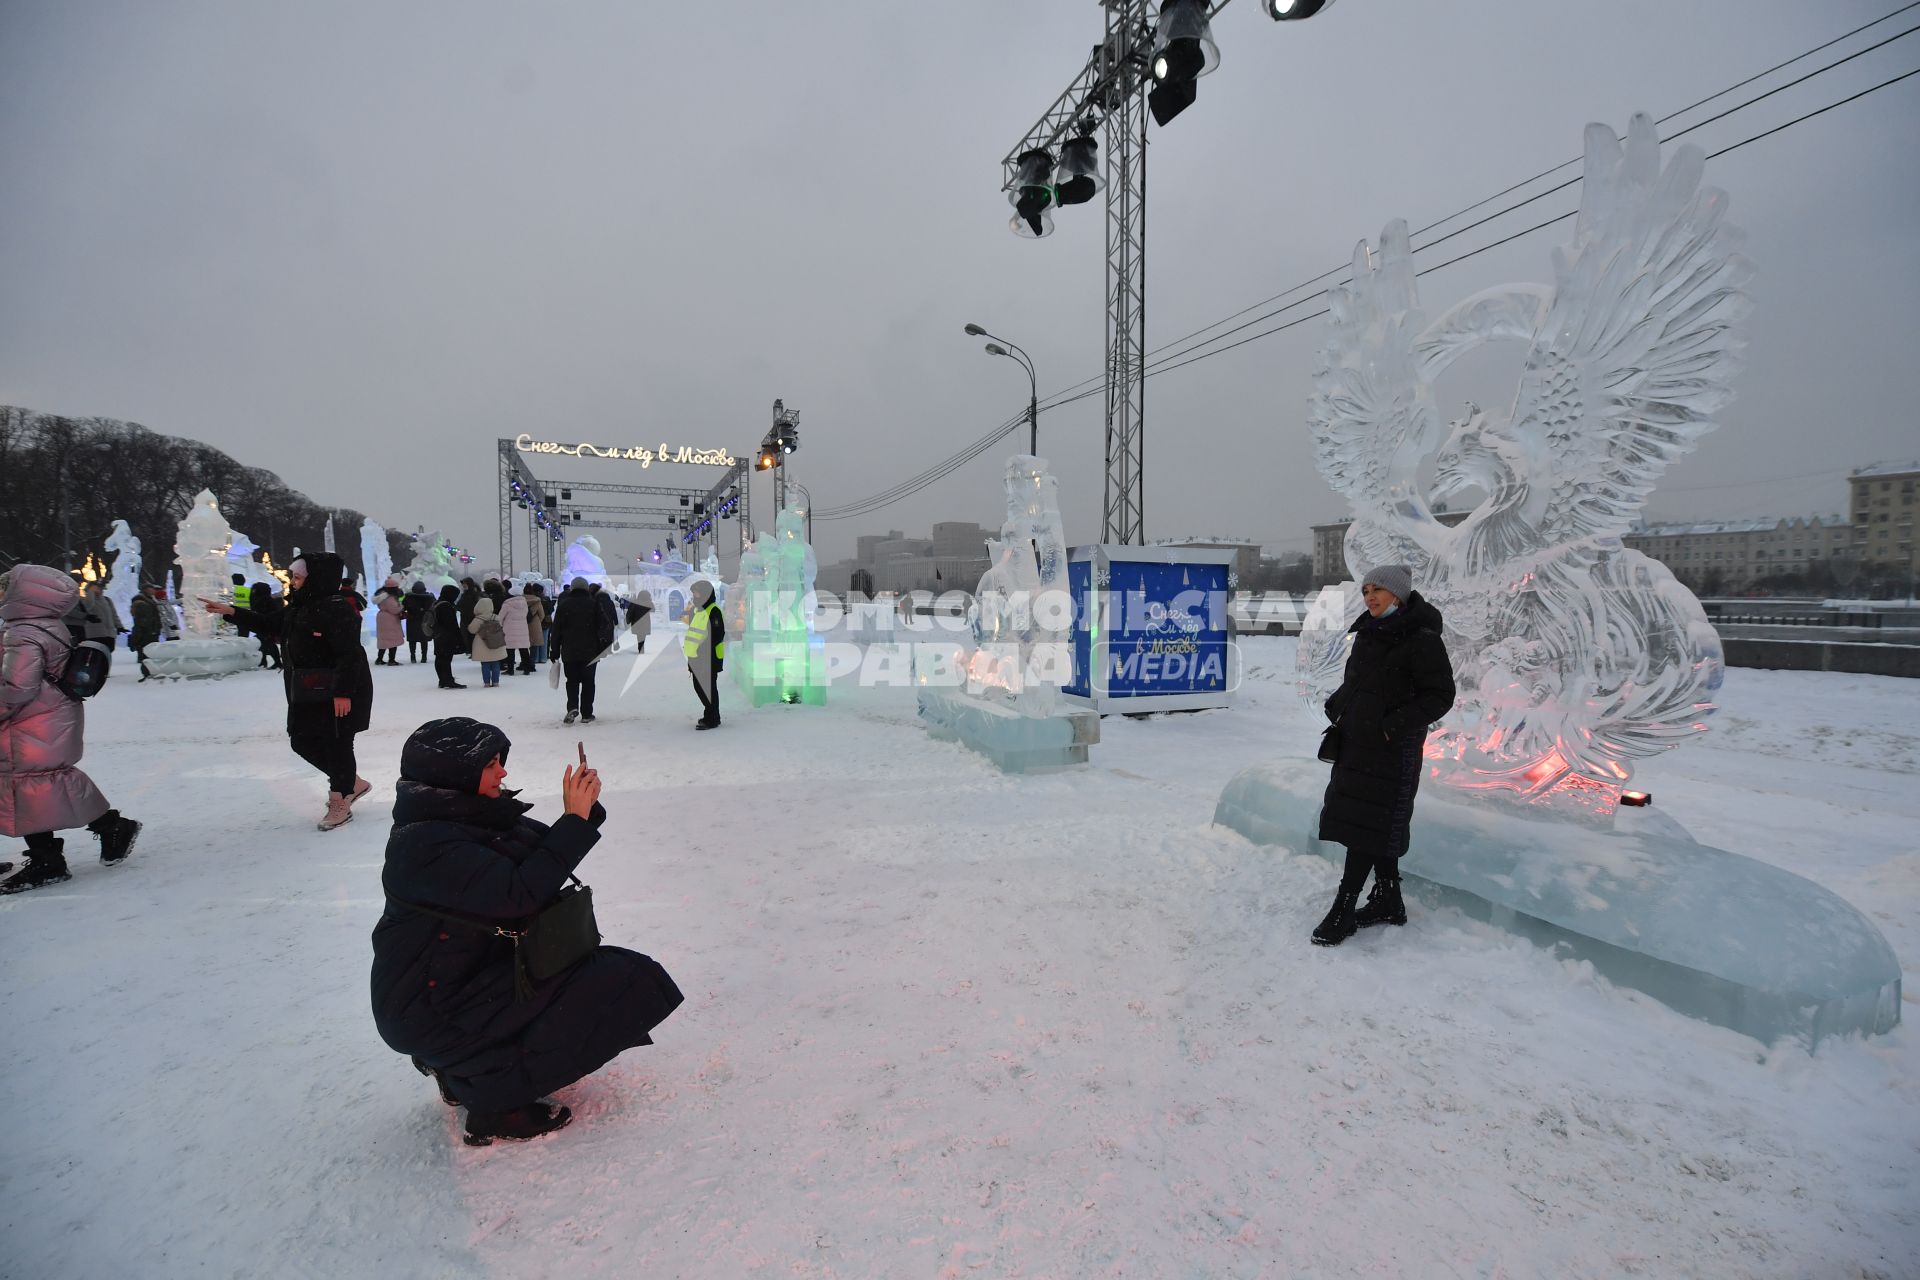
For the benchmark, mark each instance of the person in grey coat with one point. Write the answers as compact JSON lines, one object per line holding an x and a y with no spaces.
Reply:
{"x":42,"y":789}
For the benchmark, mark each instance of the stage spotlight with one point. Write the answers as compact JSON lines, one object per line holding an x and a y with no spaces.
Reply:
{"x":1183,"y":51}
{"x":1031,"y":197}
{"x":1292,"y":10}
{"x":1077,"y":180}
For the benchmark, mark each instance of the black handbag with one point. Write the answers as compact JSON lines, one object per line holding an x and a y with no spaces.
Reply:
{"x":307,"y":685}
{"x":545,"y":944}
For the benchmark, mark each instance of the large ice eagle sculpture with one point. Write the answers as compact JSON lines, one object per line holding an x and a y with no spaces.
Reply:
{"x":1574,"y":655}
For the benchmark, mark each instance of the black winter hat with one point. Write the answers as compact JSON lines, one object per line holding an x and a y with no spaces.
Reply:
{"x":451,"y":753}
{"x":450,"y":592}
{"x":325,"y":572}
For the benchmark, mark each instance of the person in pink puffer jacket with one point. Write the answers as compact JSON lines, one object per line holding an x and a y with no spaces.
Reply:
{"x":41,"y":732}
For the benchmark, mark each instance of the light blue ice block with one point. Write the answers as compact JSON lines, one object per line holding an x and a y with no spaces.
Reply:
{"x":1713,"y":934}
{"x":1017,"y":743}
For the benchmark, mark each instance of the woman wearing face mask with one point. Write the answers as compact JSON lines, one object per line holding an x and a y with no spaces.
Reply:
{"x":464,"y":861}
{"x":329,"y":684}
{"x":1398,"y":681}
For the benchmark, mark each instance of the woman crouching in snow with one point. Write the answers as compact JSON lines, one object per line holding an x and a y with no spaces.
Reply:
{"x":465,"y":868}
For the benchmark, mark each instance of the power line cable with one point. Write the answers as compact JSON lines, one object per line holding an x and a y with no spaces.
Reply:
{"x":1536,"y":177}
{"x":1520,"y":204}
{"x":1165,"y":367}
{"x":1195,"y":354}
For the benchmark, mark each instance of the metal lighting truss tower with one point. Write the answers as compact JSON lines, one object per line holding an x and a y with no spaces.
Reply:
{"x":544,"y":550}
{"x":1110,"y":93}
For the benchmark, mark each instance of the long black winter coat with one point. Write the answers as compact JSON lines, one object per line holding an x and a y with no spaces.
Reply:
{"x":319,"y":628}
{"x":417,"y":604}
{"x":1398,"y":682}
{"x":469,"y":597}
{"x":576,"y":630}
{"x":445,"y":993}
{"x":446,"y":622}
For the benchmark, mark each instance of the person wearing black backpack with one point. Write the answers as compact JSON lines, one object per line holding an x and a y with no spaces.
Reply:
{"x":329,"y":684}
{"x":42,"y":733}
{"x":418,"y":606}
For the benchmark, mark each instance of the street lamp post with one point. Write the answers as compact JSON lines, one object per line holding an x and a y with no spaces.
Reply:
{"x":1025,"y":361}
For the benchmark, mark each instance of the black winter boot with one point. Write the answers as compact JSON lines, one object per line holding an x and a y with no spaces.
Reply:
{"x":117,"y":834}
{"x":1384,"y":905}
{"x":46,"y":864}
{"x":516,"y":1125}
{"x":1338,"y":926}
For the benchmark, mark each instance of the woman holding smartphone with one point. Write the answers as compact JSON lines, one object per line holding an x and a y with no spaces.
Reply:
{"x":465,"y":869}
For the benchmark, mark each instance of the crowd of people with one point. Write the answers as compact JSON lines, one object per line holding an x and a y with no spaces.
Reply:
{"x":489,"y":972}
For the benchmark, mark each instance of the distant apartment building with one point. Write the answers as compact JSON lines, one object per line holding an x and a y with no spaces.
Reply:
{"x":1882,"y":506}
{"x":1330,"y":548}
{"x":954,"y":558}
{"x":1246,"y":554}
{"x":1872,"y":547}
{"x":1733,"y":555}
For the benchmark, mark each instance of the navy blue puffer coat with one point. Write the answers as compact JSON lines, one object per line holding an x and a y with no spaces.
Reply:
{"x":445,"y":993}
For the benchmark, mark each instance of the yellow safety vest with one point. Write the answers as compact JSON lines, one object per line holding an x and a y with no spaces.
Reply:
{"x":696,"y":638}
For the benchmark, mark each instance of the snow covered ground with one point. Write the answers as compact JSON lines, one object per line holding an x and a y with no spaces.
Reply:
{"x":940,"y":1022}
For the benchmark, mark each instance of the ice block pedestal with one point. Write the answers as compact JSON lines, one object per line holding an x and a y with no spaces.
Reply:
{"x":1713,"y":934}
{"x":193,"y":658}
{"x":1017,"y":743}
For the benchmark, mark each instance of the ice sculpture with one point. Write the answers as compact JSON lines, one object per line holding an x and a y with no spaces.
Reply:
{"x":1022,"y":613}
{"x":240,"y":560}
{"x":124,"y":585}
{"x":200,"y":549}
{"x":433,"y":561}
{"x":376,"y":563}
{"x":583,"y":560}
{"x":1574,"y":657}
{"x":772,"y":650}
{"x":1007,"y":701}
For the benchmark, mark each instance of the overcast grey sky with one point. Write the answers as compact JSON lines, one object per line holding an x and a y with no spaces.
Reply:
{"x":356,"y":243}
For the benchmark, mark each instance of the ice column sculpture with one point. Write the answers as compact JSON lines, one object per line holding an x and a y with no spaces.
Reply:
{"x":777,"y":657}
{"x":124,"y":585}
{"x":1574,"y":657}
{"x":200,"y":550}
{"x":1023,"y":613}
{"x":999,"y":693}
{"x":376,"y":563}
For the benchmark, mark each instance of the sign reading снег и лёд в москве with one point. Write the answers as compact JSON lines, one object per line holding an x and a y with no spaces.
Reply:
{"x":636,"y":453}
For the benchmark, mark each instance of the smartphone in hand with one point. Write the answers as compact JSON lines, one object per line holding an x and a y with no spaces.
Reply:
{"x":583,"y":753}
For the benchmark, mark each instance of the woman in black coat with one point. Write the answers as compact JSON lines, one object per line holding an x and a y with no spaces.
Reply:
{"x":447,"y":635}
{"x":416,"y":606}
{"x":1398,"y":681}
{"x":463,"y":855}
{"x":328,"y":682}
{"x":469,"y":597}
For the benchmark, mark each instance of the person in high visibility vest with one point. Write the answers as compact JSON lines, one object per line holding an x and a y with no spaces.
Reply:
{"x":706,"y":649}
{"x":242,"y":597}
